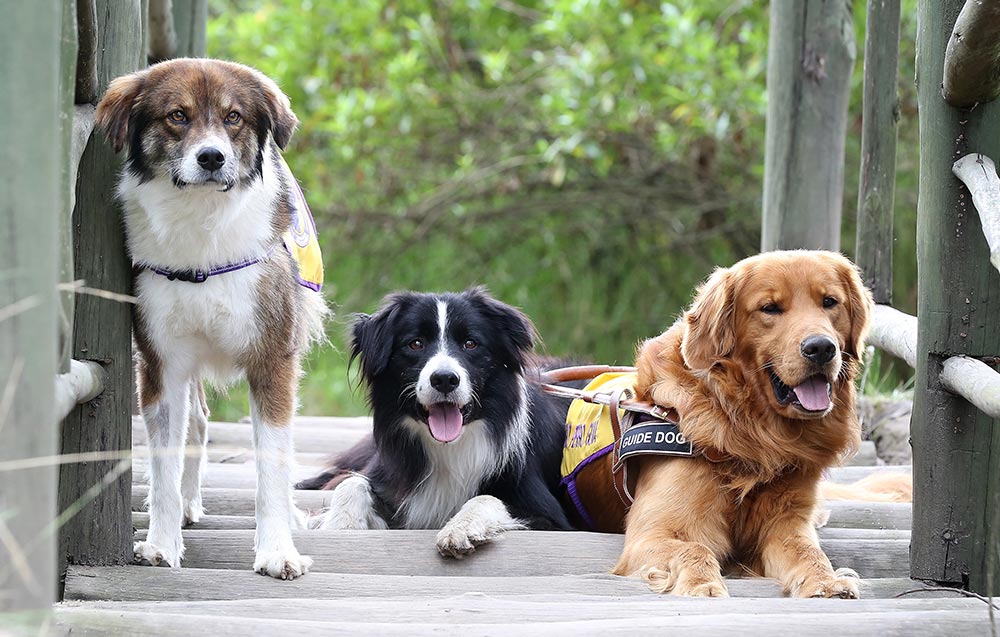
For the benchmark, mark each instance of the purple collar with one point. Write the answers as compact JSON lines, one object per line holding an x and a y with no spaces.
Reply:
{"x":200,"y":276}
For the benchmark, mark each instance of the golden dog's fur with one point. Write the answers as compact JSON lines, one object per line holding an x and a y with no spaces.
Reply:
{"x":755,"y":508}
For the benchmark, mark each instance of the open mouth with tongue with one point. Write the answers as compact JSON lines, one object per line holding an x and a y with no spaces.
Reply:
{"x":445,"y":421}
{"x":811,"y":395}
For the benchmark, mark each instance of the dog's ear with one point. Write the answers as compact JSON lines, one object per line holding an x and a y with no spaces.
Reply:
{"x":859,"y":305}
{"x":710,"y":322}
{"x":114,"y":111}
{"x":372,"y":336}
{"x":280,"y":119}
{"x":516,"y":331}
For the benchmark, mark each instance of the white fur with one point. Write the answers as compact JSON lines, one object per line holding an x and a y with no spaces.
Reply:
{"x":276,"y":511}
{"x":442,"y":361}
{"x":192,"y":173}
{"x":456,"y":471}
{"x":195,"y":458}
{"x":351,"y":506}
{"x":482,"y":519}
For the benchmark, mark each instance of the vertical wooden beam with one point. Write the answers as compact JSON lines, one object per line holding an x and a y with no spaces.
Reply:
{"x":190,"y":23}
{"x":95,"y":496}
{"x":956,"y":448}
{"x":31,"y":156}
{"x":873,"y":251}
{"x":810,"y":58}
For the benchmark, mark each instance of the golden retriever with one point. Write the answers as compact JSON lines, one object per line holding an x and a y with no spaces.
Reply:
{"x":761,"y":370}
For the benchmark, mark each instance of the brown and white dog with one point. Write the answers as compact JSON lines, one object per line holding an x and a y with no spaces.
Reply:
{"x":207,"y":199}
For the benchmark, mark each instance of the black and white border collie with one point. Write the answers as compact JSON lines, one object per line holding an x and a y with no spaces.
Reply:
{"x":207,"y":200}
{"x":463,"y":440}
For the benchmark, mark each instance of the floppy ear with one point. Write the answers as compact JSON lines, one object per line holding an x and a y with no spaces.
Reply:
{"x":709,"y":325}
{"x":114,"y":111}
{"x":517,"y":332}
{"x":859,"y":303}
{"x":280,"y":118}
{"x":372,"y":336}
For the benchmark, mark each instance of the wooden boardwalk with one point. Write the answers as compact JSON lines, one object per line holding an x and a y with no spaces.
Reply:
{"x":528,"y":583}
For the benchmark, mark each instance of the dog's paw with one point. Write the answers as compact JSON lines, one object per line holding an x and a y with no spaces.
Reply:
{"x":845,"y":584}
{"x":148,"y":554}
{"x":480,"y":520}
{"x":661,"y":581}
{"x":286,"y":565}
{"x":193,"y":512}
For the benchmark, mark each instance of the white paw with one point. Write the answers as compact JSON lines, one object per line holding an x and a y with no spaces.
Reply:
{"x":480,"y":520}
{"x":193,"y":511}
{"x":351,"y":507}
{"x":286,"y":565}
{"x":148,"y":554}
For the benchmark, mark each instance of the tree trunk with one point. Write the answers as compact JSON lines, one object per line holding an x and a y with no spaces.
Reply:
{"x":956,"y":448}
{"x":873,"y":247}
{"x":810,"y":58}
{"x":95,"y":496}
{"x":190,"y":20}
{"x":32,"y":156}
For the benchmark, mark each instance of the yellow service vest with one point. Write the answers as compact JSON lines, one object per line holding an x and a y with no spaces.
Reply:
{"x":301,"y":240}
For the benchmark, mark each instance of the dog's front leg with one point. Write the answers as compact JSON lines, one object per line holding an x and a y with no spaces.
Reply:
{"x":195,"y":454}
{"x":164,"y":402}
{"x":792,"y":555}
{"x":351,"y":506}
{"x":480,"y":520}
{"x":272,"y":404}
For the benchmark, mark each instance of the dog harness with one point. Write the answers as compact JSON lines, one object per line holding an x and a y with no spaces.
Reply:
{"x":604,"y":419}
{"x":301,"y":241}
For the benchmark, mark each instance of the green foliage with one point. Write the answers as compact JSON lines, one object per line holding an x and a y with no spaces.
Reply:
{"x":589,"y":161}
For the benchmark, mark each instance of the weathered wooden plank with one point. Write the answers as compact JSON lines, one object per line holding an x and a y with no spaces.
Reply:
{"x":86,"y":621}
{"x":956,"y":448}
{"x":877,"y":183}
{"x":810,"y":58}
{"x":852,"y":474}
{"x":872,"y":515}
{"x":324,"y":439}
{"x":32,"y":155}
{"x":528,"y":608}
{"x":99,"y":531}
{"x":140,"y":520}
{"x":231,"y":476}
{"x":190,"y":18}
{"x":142,"y":583}
{"x":86,"y":64}
{"x":517,"y":553}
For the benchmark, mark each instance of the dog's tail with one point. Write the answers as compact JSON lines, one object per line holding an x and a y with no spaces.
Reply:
{"x":354,"y":460}
{"x":883,"y":486}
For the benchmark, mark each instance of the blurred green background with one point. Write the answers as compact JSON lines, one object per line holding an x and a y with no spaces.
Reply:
{"x":588,"y":161}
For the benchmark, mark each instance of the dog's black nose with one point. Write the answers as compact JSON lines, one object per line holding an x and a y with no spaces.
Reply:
{"x":211,"y":158}
{"x":819,"y":349}
{"x":444,"y":381}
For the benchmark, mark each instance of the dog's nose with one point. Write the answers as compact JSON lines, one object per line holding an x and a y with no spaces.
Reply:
{"x":444,"y":381}
{"x":211,"y":158}
{"x":819,"y":349}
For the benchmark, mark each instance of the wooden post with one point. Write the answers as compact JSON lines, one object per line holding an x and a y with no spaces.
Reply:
{"x":32,"y":158}
{"x":956,"y":448}
{"x":95,"y":496}
{"x":873,"y":247}
{"x":190,"y":21}
{"x":810,"y":59}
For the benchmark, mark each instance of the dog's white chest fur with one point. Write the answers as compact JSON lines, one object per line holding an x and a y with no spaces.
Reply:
{"x":198,"y":227}
{"x":456,"y":473}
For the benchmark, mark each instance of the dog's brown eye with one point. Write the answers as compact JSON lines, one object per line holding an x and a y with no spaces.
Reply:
{"x":771,"y":308}
{"x":416,"y":344}
{"x":233,"y":117}
{"x":829,"y":302}
{"x":178,"y":116}
{"x":470,"y":344}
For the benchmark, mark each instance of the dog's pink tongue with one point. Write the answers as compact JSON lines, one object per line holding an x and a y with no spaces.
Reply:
{"x":445,"y":421}
{"x":814,"y":394}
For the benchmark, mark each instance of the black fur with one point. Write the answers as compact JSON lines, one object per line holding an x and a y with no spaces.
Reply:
{"x":394,"y":459}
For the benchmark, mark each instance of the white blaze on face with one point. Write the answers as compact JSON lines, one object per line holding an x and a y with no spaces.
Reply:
{"x":193,"y":173}
{"x":443,"y":404}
